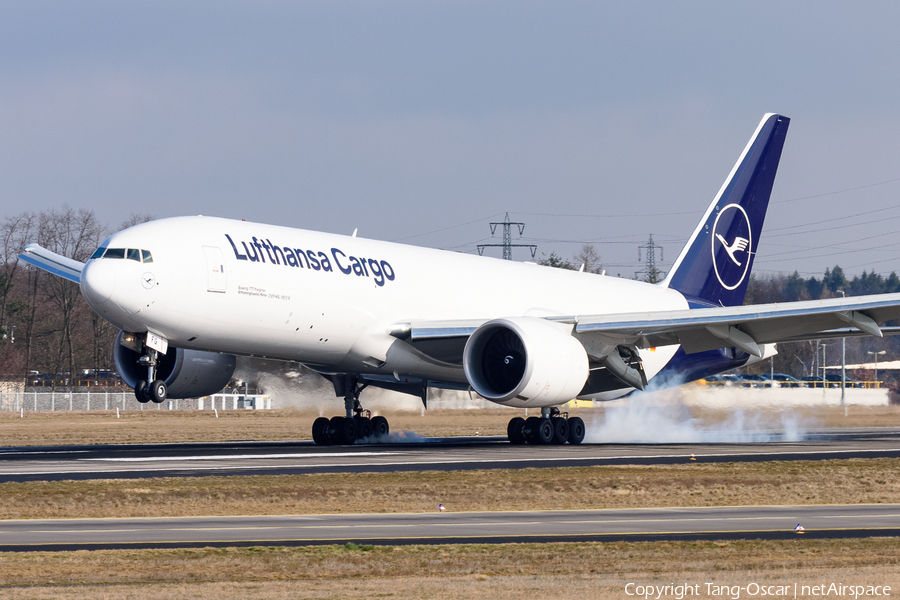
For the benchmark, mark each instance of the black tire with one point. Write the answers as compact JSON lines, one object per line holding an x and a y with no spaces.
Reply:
{"x":344,"y":430}
{"x":320,"y":431}
{"x":560,"y":430}
{"x":141,"y":392}
{"x":380,"y":427}
{"x":363,"y":428}
{"x":576,"y":430}
{"x":158,"y":391}
{"x":530,"y":430}
{"x":544,"y":433}
{"x":515,"y":431}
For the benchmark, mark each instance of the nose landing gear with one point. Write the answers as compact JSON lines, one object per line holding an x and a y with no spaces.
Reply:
{"x":150,"y":389}
{"x":552,"y":427}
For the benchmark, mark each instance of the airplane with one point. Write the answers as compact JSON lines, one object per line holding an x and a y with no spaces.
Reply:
{"x":191,"y":293}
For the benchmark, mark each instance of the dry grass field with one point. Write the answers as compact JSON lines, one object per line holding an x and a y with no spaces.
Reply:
{"x":692,"y":484}
{"x":491,"y":572}
{"x":163,"y":426}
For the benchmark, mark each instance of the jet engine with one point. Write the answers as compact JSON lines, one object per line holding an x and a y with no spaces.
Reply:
{"x":187,"y":373}
{"x":525,"y":362}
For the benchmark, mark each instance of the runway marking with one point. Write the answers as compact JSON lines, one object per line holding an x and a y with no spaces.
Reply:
{"x":723,"y":519}
{"x":236,"y":456}
{"x":530,"y":459}
{"x":400,"y":539}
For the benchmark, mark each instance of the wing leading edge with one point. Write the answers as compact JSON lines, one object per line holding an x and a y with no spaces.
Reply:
{"x":51,"y":262}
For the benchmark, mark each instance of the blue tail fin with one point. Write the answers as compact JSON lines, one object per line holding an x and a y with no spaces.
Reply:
{"x":714,"y":266}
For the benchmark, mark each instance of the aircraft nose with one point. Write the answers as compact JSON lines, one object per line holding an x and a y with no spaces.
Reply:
{"x":98,"y":282}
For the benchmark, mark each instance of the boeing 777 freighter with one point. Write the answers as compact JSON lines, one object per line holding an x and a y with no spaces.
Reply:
{"x":191,"y":293}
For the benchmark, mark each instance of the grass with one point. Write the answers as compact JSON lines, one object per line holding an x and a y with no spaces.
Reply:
{"x":856,"y":481}
{"x":163,"y":426}
{"x":495,"y":572}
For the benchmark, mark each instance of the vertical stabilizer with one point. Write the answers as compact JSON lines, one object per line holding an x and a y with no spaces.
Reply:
{"x":714,"y":266}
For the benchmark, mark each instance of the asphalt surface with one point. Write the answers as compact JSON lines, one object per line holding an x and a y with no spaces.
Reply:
{"x":418,"y":454}
{"x":753,"y":522}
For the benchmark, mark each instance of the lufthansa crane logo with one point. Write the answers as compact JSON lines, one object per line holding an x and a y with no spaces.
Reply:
{"x":732,"y":265}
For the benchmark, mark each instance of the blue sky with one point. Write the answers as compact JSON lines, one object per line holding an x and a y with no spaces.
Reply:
{"x":597,"y":122}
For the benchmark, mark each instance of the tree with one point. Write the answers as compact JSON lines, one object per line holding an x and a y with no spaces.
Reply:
{"x":589,"y":258}
{"x":555,"y":260}
{"x":835,"y":280}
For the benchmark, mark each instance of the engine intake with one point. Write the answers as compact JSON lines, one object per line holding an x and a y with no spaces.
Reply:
{"x":187,"y":373}
{"x":525,"y":362}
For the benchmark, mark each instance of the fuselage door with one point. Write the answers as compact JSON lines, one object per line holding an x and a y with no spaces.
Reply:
{"x":215,"y":269}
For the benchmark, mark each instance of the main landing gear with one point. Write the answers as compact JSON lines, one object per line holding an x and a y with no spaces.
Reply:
{"x":150,"y":389}
{"x":552,"y":427}
{"x":358,"y":424}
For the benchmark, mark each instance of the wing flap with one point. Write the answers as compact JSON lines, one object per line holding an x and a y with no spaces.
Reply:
{"x":52,"y":263}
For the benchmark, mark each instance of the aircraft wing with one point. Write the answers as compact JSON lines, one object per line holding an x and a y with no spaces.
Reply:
{"x":700,"y":329}
{"x":54,"y":263}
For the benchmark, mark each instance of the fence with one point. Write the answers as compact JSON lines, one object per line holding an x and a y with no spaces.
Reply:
{"x":53,"y":400}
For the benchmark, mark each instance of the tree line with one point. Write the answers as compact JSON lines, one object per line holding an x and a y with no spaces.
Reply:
{"x":45,"y":324}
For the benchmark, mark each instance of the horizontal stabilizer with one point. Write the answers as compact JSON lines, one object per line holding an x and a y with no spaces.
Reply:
{"x":52,"y":262}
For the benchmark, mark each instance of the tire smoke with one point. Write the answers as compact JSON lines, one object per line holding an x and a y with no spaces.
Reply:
{"x":665,"y":416}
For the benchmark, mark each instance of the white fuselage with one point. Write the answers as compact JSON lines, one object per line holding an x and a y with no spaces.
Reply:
{"x":204,"y":291}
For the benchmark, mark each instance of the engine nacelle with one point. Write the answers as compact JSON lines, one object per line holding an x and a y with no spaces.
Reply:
{"x":187,"y":373}
{"x":525,"y":362}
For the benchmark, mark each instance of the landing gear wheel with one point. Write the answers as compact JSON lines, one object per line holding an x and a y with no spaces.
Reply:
{"x":320,"y":431}
{"x":158,"y":391}
{"x":544,"y":432}
{"x":380,"y":427}
{"x":576,"y":430}
{"x":560,"y":430}
{"x":344,"y":430}
{"x":515,"y":431}
{"x":363,"y":427}
{"x":530,"y":430}
{"x":141,"y":393}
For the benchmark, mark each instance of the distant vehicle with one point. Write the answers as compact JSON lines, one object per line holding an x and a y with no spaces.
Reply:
{"x":785,"y":380}
{"x":813,"y":382}
{"x":834,"y":380}
{"x":752,"y":380}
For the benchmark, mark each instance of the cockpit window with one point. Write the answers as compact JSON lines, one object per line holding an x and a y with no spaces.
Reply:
{"x":129,"y":253}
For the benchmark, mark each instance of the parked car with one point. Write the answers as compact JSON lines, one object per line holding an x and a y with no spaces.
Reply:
{"x":813,"y":382}
{"x":785,"y":380}
{"x":752,"y":380}
{"x":834,"y":380}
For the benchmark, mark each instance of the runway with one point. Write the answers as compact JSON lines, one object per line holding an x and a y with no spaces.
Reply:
{"x":419,"y":454}
{"x":753,"y":522}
